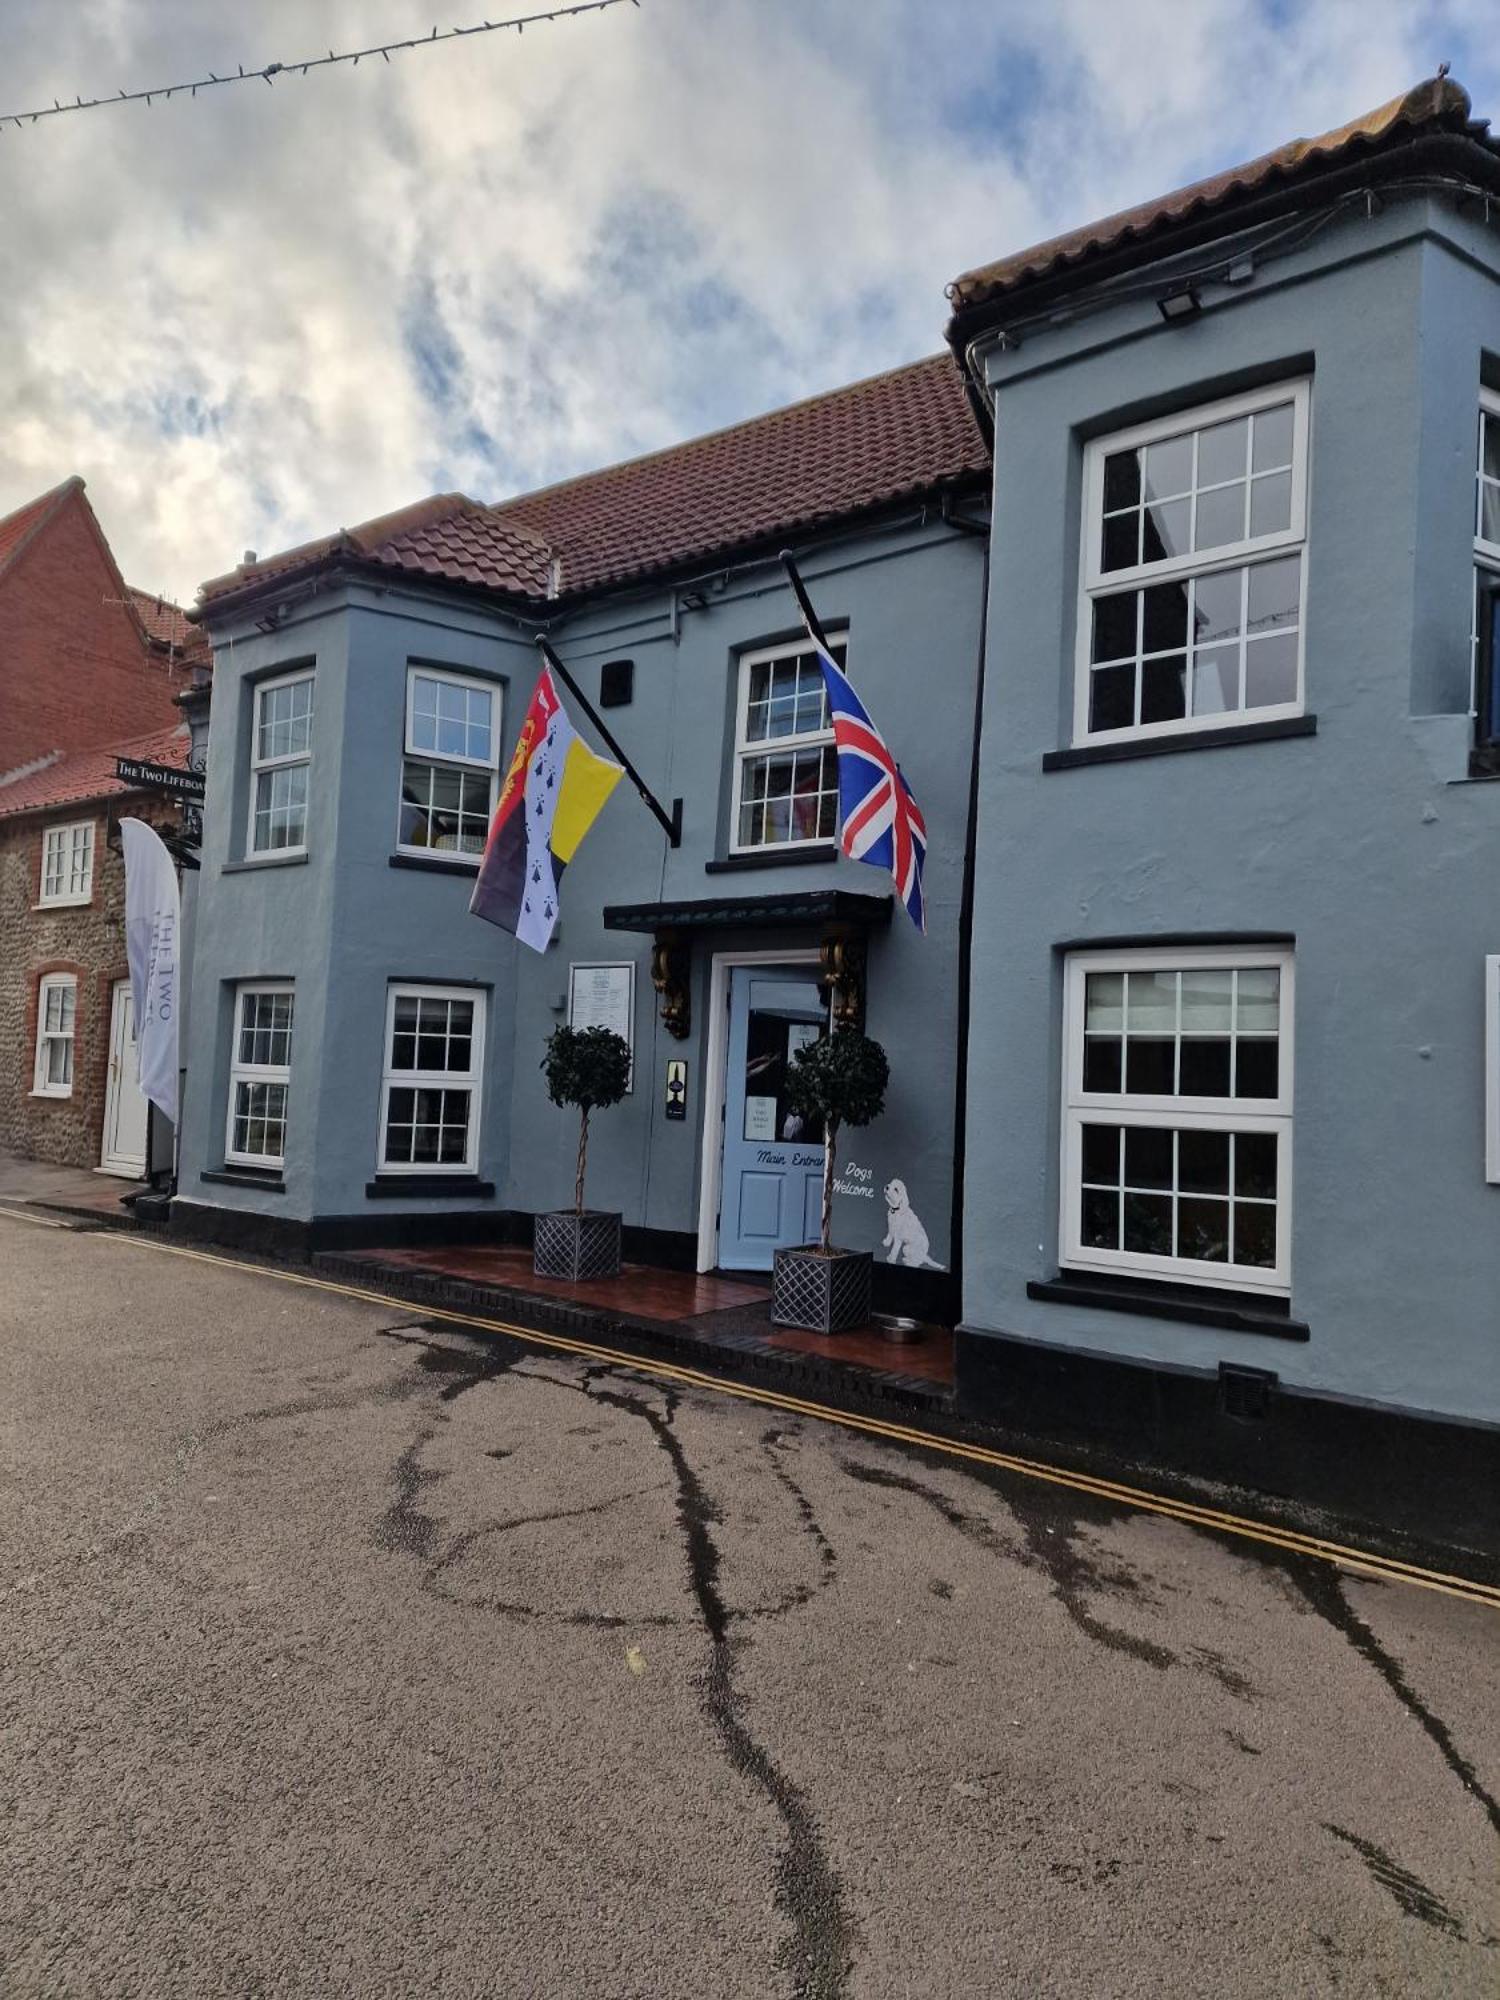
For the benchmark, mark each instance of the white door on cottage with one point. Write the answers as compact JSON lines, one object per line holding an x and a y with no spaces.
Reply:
{"x":124,"y":1106}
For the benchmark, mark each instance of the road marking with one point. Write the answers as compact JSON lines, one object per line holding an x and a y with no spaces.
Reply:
{"x":25,"y":1215}
{"x":1214,"y":1520}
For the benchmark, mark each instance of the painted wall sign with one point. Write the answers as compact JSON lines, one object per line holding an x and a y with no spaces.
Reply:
{"x":603,"y":996}
{"x":676,"y":1089}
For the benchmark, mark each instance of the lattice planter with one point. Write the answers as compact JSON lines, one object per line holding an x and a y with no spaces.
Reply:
{"x":573,"y":1246}
{"x":821,"y":1292}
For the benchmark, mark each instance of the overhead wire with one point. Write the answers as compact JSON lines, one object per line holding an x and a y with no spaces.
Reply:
{"x":268,"y":72}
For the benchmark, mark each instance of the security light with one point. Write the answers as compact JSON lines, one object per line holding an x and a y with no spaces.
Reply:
{"x":1181,"y":303}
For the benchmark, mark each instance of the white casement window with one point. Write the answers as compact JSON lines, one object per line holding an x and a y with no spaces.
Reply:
{"x":260,"y":1071}
{"x":429,"y":1096}
{"x":56,"y":1014}
{"x":1177,"y":1116}
{"x":280,"y":763}
{"x":67,"y":863}
{"x":786,"y":783}
{"x":1193,"y":570}
{"x":450,"y":762}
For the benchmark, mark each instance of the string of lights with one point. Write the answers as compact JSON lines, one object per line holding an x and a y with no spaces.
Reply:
{"x":270,"y":71}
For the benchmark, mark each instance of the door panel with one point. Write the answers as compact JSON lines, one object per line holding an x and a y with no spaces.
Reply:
{"x":773,"y":1162}
{"x":124,"y":1149}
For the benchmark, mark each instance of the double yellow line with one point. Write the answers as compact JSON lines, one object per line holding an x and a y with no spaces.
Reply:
{"x":1212,"y":1520}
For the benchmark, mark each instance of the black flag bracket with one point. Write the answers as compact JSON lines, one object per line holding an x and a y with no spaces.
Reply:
{"x":804,"y":602}
{"x":671,"y":822}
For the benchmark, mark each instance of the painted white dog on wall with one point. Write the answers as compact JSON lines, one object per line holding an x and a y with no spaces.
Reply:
{"x":905,"y":1238}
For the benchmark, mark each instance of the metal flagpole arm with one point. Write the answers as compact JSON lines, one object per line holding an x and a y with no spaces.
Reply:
{"x":804,"y":602}
{"x":671,"y":822}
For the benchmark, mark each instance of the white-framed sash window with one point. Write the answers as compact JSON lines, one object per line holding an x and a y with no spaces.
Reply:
{"x":1193,"y":570}
{"x":450,"y":762}
{"x":260,"y":1074}
{"x":786,"y":783}
{"x":281,"y":763}
{"x":429,"y":1091}
{"x":56,"y":1022}
{"x":67,"y":875}
{"x":1492,"y":1068}
{"x":1486,"y":534}
{"x":1177,"y":1116}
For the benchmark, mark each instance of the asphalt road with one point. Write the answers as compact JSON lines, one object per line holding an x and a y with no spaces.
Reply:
{"x":343,"y":1655}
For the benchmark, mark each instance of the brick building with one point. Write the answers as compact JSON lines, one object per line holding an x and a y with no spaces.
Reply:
{"x":84,"y":659}
{"x":68,"y":1089}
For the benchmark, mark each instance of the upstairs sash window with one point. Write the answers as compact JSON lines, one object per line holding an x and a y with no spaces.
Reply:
{"x":280,"y":764}
{"x":67,"y":863}
{"x":1194,"y":570}
{"x":786,"y":785}
{"x":450,"y":763}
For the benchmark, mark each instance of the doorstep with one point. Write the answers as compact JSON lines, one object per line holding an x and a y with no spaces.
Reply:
{"x":721,"y":1324}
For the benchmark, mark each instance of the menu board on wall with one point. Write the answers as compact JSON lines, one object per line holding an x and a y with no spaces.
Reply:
{"x":603,"y":996}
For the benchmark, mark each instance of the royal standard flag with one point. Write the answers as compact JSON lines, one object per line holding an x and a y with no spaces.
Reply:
{"x":553,"y":792}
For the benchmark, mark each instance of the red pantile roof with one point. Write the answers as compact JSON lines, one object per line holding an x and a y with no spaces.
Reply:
{"x":165,"y":622}
{"x":901,"y":434}
{"x":17,"y":529}
{"x":89,"y":774}
{"x":1439,"y":105}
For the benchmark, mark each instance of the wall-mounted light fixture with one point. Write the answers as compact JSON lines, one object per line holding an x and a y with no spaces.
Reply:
{"x":1179,"y":304}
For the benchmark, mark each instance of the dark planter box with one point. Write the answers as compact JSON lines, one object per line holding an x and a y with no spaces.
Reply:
{"x":568,"y":1245}
{"x":821,"y":1294}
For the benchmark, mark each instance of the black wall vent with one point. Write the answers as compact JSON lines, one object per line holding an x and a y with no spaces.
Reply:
{"x":616,"y":683}
{"x":1246,"y":1393}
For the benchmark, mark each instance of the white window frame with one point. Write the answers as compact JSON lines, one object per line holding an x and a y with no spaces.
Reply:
{"x":1492,"y":1069}
{"x":1206,"y":1114}
{"x":40,"y":1086}
{"x":259,"y":764}
{"x":243,"y":1072}
{"x":1095,"y":581}
{"x":1486,"y":553}
{"x":472,"y":1081}
{"x":745,"y":749}
{"x":65,"y":839}
{"x":416,"y":669}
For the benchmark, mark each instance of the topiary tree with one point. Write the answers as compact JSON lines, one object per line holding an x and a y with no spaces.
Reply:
{"x":841,"y":1080}
{"x":589,"y":1068}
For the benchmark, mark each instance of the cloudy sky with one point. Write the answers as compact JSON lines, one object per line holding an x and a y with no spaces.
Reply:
{"x":272,"y":311}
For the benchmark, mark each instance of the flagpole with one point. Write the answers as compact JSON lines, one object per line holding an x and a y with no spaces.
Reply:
{"x":799,"y":591}
{"x":671,"y":822}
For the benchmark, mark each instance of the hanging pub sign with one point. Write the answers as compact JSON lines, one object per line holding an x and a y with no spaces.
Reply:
{"x":169,"y":779}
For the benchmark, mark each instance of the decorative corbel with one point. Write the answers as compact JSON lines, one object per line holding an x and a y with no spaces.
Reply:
{"x":841,"y":976}
{"x":671,"y":968}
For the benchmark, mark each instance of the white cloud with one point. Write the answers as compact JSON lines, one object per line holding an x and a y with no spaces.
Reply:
{"x":256,"y":316}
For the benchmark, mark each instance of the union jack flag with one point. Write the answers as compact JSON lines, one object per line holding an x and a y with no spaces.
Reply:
{"x":879,"y":820}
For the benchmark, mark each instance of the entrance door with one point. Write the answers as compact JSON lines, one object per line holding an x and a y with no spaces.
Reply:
{"x":772,"y":1189}
{"x":124,"y":1107}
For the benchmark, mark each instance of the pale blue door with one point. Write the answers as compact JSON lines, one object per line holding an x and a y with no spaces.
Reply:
{"x":772,"y":1190}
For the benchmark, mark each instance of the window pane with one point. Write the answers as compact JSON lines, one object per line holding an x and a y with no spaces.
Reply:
{"x":1204,"y":1069}
{"x":1203,"y":1162}
{"x":1221,"y":517}
{"x":1222,"y":450}
{"x":1274,"y":593}
{"x":1148,"y":1157}
{"x":1168,"y":530}
{"x":1169,"y":467}
{"x":1258,"y":1000}
{"x":1216,"y":607}
{"x":1271,"y":504}
{"x":1149,"y":1067}
{"x":1256,"y":1069}
{"x":1489,"y":449}
{"x":1271,"y":671}
{"x":1207,"y":1002}
{"x":1115,"y":626}
{"x":1101,"y":1154}
{"x":1164,"y":689}
{"x":1216,"y":680}
{"x":1111,"y":698}
{"x":1102,"y":1063}
{"x":1152,"y":1002}
{"x":1101,"y":1219}
{"x":1489,"y":512}
{"x":1203,"y":1231}
{"x":1122,"y":541}
{"x":1148,"y":1224}
{"x":1122,"y":481}
{"x":1104,"y":1001}
{"x":1272,"y":438}
{"x":1255,"y":1234}
{"x":1165,"y":618}
{"x":1255,"y":1164}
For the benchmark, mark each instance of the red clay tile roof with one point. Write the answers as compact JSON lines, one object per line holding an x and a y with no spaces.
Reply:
{"x":90,"y":774}
{"x":1438,"y":105}
{"x":165,"y":622}
{"x":904,"y":433}
{"x":17,"y":529}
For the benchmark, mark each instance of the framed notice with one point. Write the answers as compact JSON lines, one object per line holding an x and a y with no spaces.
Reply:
{"x":603,"y":996}
{"x":1492,"y":1069}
